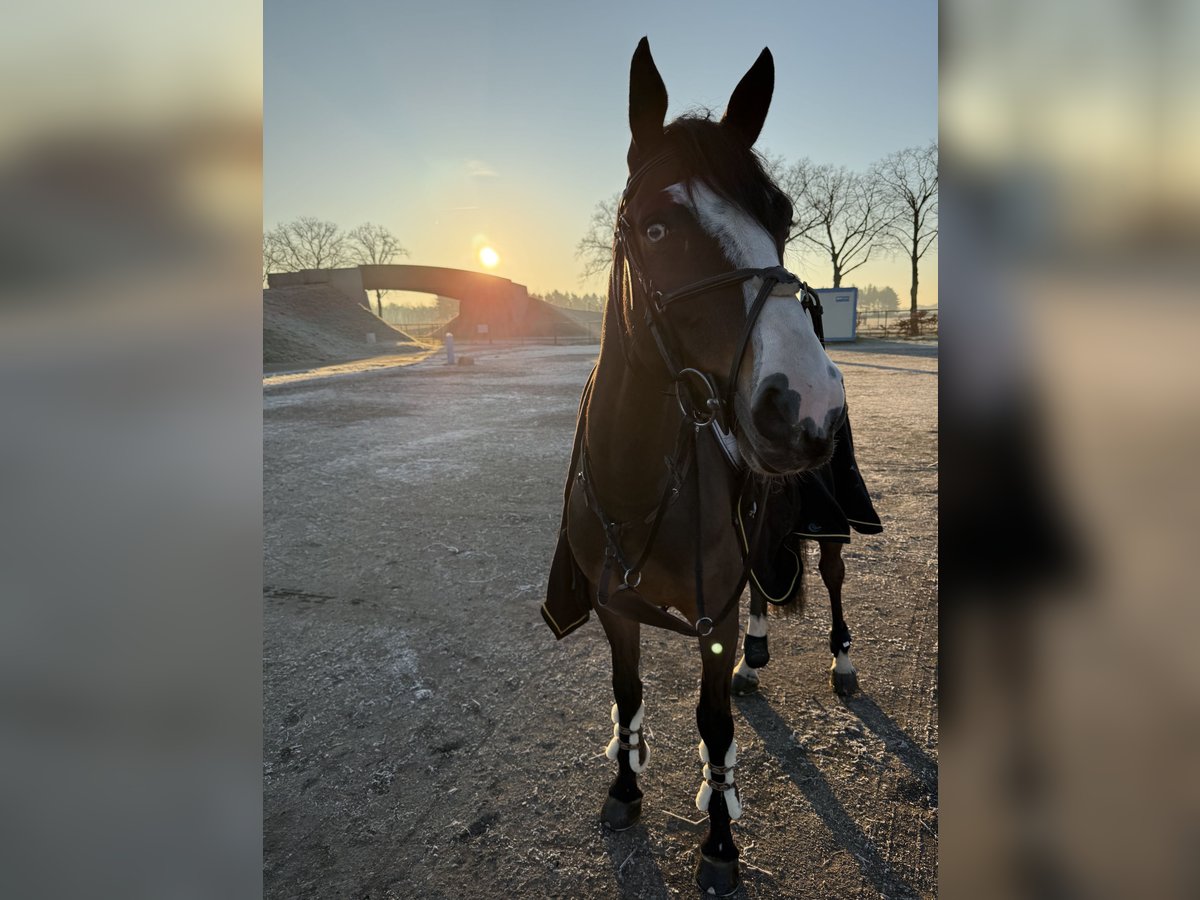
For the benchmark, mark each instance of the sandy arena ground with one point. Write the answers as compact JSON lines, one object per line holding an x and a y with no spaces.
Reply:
{"x":424,"y":734}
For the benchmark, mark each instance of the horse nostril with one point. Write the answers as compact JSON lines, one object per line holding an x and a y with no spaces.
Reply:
{"x":812,"y":440}
{"x":776,"y":408}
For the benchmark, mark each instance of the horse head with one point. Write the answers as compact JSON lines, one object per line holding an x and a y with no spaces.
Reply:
{"x":700,"y":203}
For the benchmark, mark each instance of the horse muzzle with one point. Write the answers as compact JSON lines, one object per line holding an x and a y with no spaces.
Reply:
{"x":801,"y":454}
{"x":785,"y":440}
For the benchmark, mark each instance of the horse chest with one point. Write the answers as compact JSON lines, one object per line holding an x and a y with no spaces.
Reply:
{"x":667,"y":575}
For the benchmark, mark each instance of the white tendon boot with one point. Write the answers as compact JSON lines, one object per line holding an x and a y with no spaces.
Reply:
{"x":638,"y":751}
{"x":733,"y":801}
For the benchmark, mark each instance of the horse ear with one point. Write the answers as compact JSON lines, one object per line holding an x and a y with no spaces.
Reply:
{"x":647,"y":99}
{"x":748,"y":105}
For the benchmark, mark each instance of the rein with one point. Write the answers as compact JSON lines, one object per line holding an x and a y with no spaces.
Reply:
{"x":697,"y":411}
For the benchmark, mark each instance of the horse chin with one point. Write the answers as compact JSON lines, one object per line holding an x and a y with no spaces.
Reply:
{"x":762,"y":461}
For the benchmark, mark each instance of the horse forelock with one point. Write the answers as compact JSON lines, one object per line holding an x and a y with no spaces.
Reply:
{"x":710,"y":154}
{"x":708,"y":167}
{"x":703,"y":151}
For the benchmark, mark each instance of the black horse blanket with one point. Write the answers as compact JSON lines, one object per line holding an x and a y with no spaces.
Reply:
{"x":824,"y":504}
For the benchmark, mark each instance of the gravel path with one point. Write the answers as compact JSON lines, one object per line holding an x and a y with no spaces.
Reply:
{"x":425,"y":736}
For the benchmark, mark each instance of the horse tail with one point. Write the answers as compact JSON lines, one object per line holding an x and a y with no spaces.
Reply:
{"x":793,"y":606}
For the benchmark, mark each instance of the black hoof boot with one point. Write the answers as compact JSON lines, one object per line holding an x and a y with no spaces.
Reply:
{"x":743,"y":685}
{"x":757,"y":654}
{"x":717,"y":877}
{"x":619,"y":815}
{"x":843,"y":684}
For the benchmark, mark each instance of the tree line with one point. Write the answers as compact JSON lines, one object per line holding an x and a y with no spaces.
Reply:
{"x":839,"y":215}
{"x":876,"y":298}
{"x":443,"y":309}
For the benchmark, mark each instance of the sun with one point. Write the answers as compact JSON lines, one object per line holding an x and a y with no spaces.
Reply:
{"x":489,"y":257}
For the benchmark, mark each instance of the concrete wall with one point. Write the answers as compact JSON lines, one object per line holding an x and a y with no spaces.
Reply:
{"x":458,"y":283}
{"x":350,"y":283}
{"x":308,"y":276}
{"x":496,"y":303}
{"x":500,"y":306}
{"x":347,"y":281}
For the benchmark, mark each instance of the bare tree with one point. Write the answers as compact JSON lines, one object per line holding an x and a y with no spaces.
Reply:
{"x":271,"y":260}
{"x":375,"y":245}
{"x":848,"y":212}
{"x":910,"y":181}
{"x":305,"y":243}
{"x":596,"y":245}
{"x":794,"y":180}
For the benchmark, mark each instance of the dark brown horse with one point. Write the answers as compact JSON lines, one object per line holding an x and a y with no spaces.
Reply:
{"x":706,"y":342}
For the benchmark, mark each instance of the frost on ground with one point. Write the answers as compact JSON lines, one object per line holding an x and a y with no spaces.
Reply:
{"x":426,"y":736}
{"x":313,"y":323}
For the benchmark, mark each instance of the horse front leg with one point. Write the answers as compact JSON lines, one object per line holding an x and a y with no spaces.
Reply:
{"x":842,"y":676}
{"x":755,"y":653}
{"x":717,"y":870}
{"x":623,"y":806}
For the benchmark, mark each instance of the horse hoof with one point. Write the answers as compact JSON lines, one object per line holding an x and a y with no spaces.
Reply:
{"x":844,"y":684}
{"x":758,"y":654}
{"x":619,"y":815}
{"x":717,"y":877}
{"x":743,"y":685}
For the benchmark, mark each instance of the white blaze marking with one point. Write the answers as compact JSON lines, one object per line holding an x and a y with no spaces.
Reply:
{"x":783,"y":339}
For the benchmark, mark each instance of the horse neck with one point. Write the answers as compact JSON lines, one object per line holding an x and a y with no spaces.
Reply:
{"x":632,"y":425}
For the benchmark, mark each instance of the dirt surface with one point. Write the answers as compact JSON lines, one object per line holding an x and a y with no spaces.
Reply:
{"x":425,"y":736}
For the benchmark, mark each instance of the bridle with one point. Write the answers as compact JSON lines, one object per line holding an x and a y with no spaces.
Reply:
{"x":701,"y":403}
{"x":717,"y":404}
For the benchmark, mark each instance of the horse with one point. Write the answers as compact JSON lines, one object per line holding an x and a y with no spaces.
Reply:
{"x":706,"y":355}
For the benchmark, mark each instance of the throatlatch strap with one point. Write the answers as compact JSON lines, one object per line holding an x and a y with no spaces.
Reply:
{"x":811,"y":302}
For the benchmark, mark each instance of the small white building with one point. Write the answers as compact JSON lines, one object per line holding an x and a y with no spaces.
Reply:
{"x":840,"y":317}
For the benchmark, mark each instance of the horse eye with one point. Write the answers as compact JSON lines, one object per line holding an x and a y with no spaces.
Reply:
{"x":656,"y":232}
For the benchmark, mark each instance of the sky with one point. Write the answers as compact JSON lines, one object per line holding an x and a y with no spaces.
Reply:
{"x":463,"y":122}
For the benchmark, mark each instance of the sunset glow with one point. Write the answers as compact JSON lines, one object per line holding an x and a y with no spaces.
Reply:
{"x":448,"y":186}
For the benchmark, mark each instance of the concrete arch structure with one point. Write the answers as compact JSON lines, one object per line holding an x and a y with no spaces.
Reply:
{"x":489,"y":306}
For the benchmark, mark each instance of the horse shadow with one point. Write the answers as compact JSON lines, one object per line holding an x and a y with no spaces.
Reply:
{"x":896,"y":741}
{"x":776,"y":736}
{"x":635,"y":867}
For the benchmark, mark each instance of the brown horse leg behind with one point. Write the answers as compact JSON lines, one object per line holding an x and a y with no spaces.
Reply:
{"x":843,"y":677}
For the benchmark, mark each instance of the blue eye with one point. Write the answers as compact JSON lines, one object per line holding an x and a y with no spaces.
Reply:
{"x":656,"y":232}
